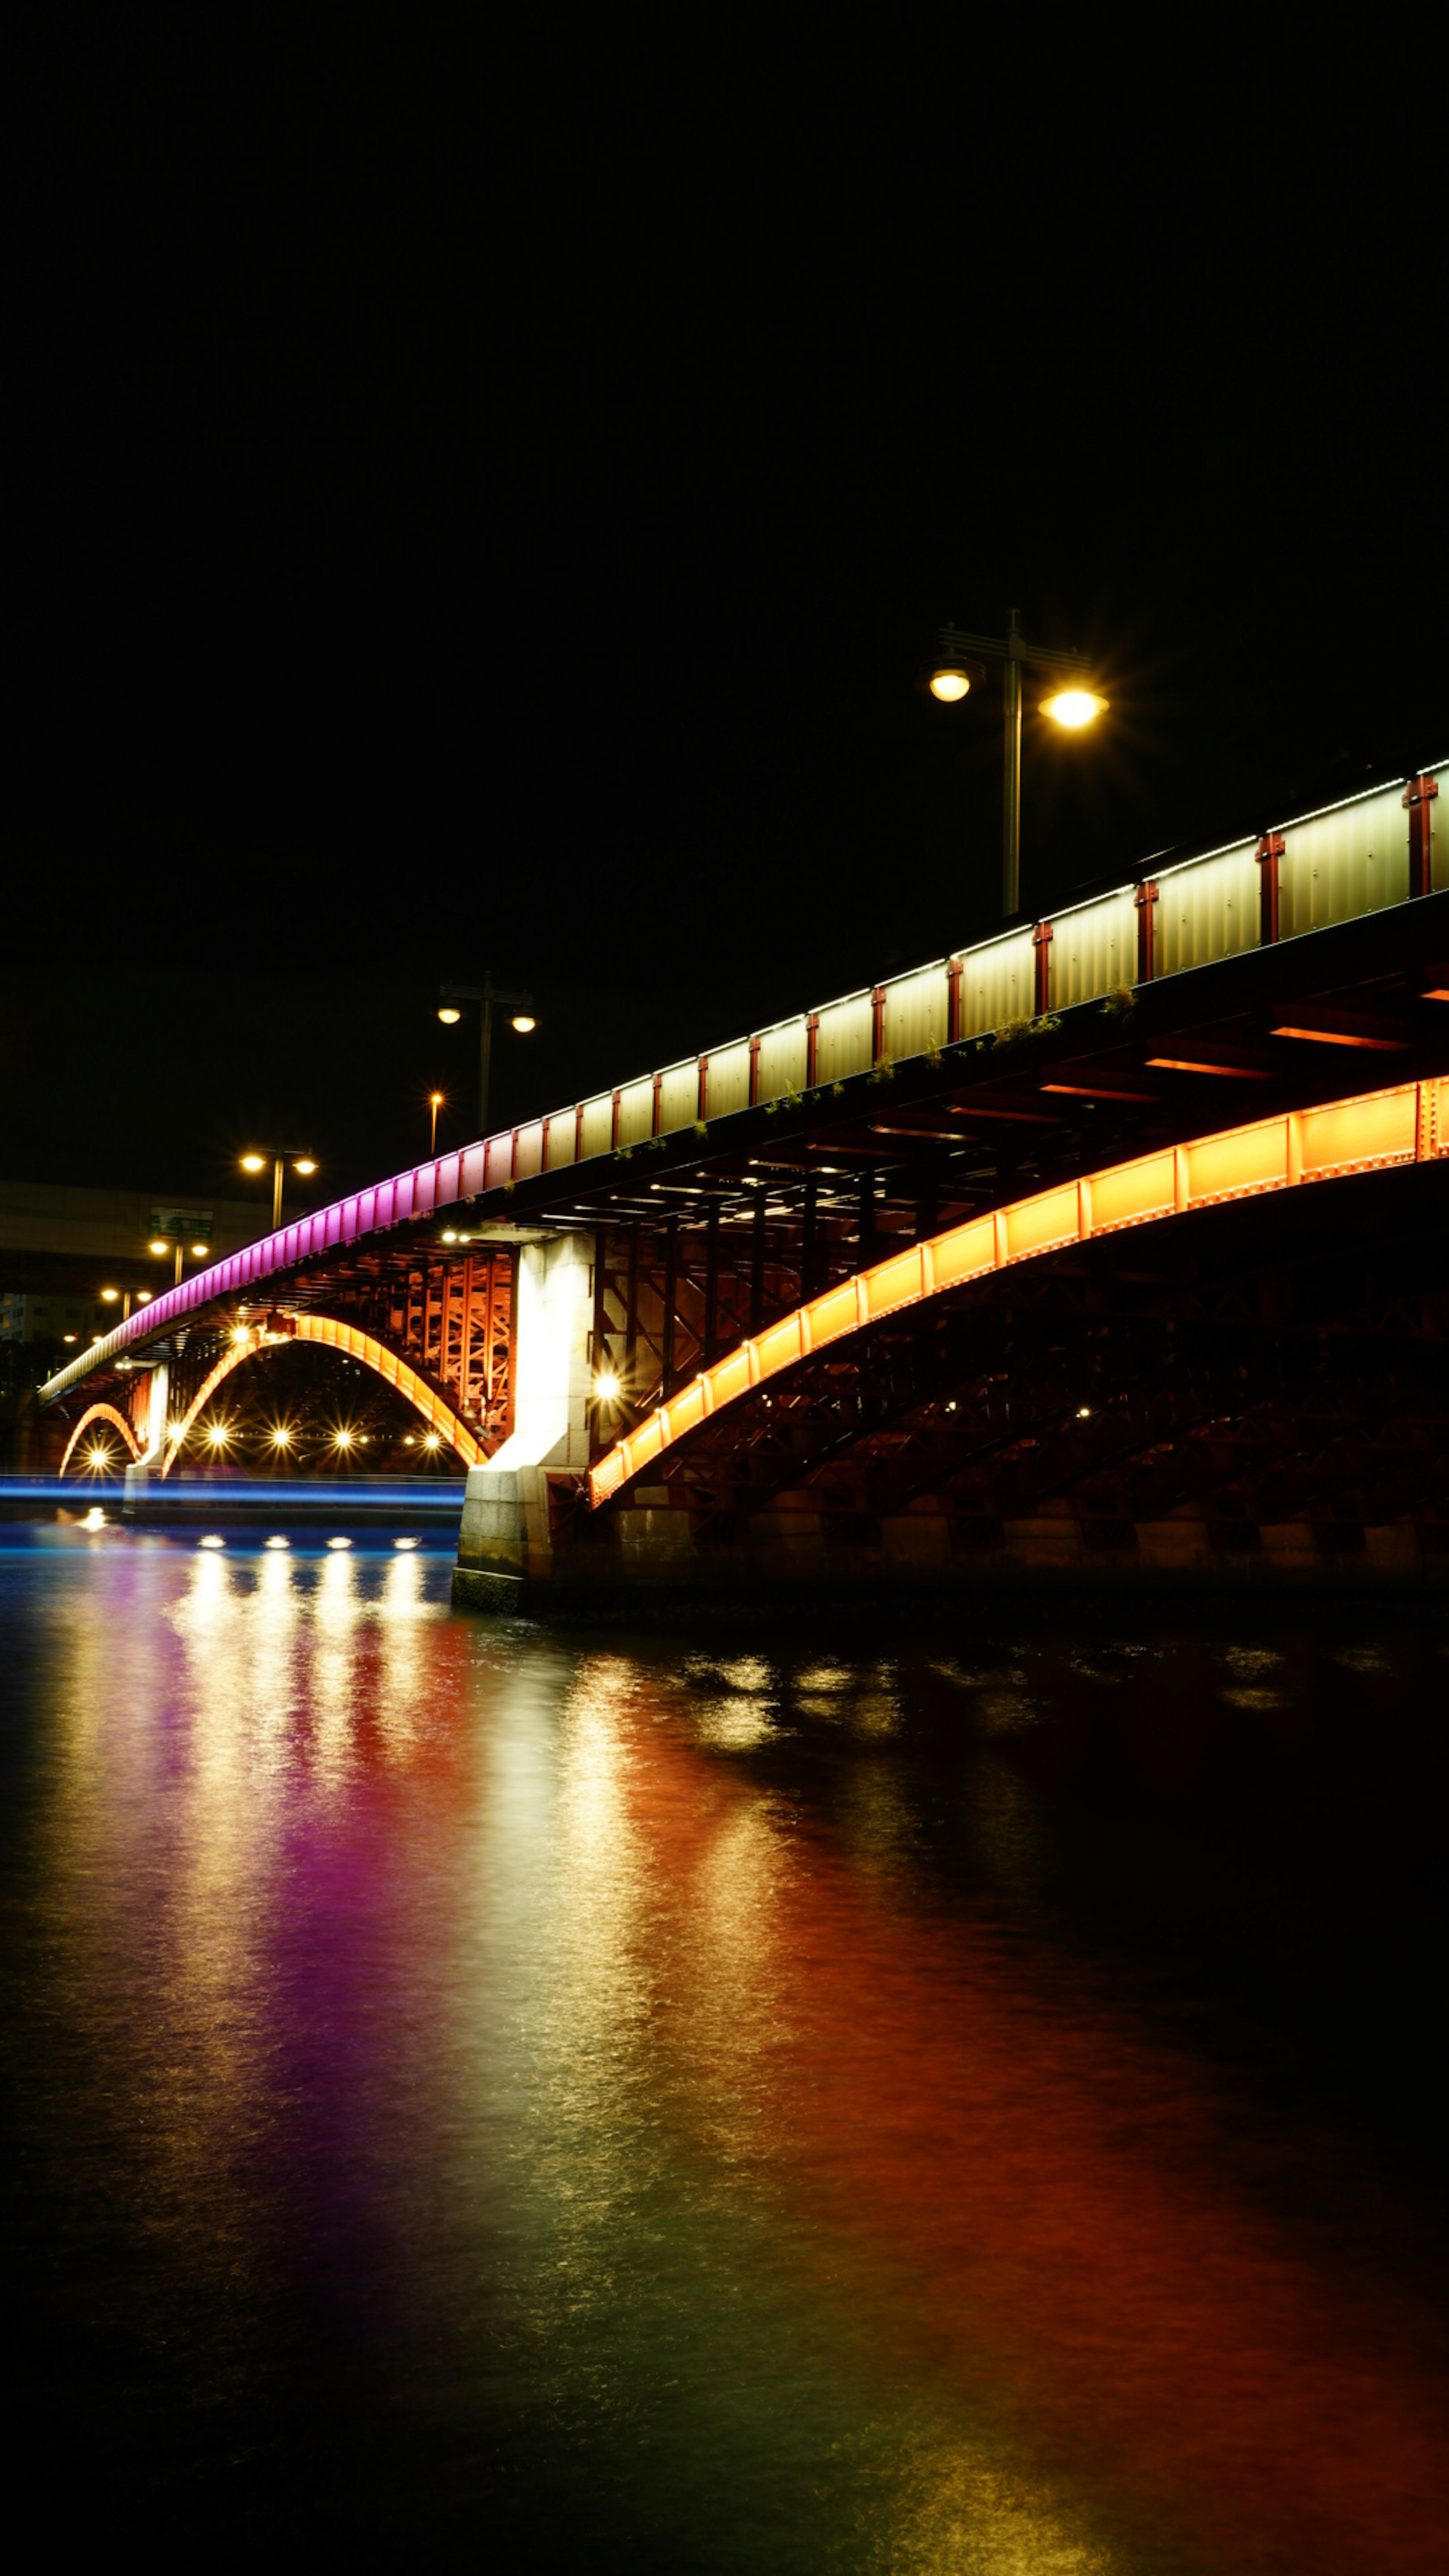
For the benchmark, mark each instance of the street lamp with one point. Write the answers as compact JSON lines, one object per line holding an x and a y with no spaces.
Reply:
{"x":279,"y":1155}
{"x":518,"y":1005}
{"x":1073,"y":703}
{"x":435,"y":1102}
{"x":164,"y":1243}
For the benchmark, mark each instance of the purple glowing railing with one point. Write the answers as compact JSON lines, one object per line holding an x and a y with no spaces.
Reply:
{"x":407,"y":1196}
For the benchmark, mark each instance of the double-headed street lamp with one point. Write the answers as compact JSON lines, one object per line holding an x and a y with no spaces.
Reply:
{"x":279,"y":1156}
{"x":1073,"y":702}
{"x":163,"y":1243}
{"x":487,"y":997}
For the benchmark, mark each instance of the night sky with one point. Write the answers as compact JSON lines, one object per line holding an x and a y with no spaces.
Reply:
{"x":486,"y":501}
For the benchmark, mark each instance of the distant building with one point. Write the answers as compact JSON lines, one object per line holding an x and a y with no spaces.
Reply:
{"x":27,"y":1316}
{"x":62,"y":1248}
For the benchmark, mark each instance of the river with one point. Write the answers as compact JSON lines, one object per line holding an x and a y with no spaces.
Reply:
{"x":897,"y":2097}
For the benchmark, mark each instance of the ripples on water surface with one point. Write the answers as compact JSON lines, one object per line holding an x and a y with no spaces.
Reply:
{"x":953,"y":2102}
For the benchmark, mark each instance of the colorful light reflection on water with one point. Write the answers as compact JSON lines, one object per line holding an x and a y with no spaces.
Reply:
{"x":625,"y":2102}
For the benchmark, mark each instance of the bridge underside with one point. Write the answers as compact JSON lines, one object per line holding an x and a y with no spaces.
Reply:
{"x":1256,"y":1392}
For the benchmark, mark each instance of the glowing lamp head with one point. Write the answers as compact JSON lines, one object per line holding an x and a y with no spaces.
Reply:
{"x":281,"y":1436}
{"x":342,"y":1439}
{"x":109,"y":1296}
{"x":449,"y":1016}
{"x":254,"y":1162}
{"x":160,"y":1244}
{"x":431,"y":1440}
{"x":143,"y":1296}
{"x":435,"y":1100}
{"x":1074,"y":708}
{"x":199,"y":1251}
{"x":606,"y":1387}
{"x":100,"y":1457}
{"x":216,"y":1434}
{"x":305,"y":1166}
{"x":240,"y":1335}
{"x":950,"y":684}
{"x":524,"y":1023}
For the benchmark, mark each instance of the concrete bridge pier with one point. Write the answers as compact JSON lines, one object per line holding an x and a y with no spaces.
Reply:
{"x":505,"y":1538}
{"x":153,"y":1454}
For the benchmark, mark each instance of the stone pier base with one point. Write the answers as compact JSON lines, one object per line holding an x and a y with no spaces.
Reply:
{"x":558,"y":1563}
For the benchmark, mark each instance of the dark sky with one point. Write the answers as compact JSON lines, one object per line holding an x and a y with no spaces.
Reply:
{"x":486,"y":501}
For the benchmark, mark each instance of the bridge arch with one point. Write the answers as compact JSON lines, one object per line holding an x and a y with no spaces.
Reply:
{"x":1365,"y":1132}
{"x":101,"y":1413}
{"x":353,"y":1344}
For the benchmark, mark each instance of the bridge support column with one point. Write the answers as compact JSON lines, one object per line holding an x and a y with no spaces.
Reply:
{"x":138,"y":1473}
{"x":505,"y":1535}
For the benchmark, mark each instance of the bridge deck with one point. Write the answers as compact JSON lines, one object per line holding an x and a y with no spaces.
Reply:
{"x":734,"y":1186}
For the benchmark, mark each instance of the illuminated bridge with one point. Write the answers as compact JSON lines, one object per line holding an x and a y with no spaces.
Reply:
{"x":1115,"y":1243}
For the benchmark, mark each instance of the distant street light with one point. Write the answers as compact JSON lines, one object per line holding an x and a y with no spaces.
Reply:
{"x":435,"y":1102}
{"x":486,"y":995}
{"x":278,"y":1156}
{"x":1073,"y":704}
{"x":164,"y":1243}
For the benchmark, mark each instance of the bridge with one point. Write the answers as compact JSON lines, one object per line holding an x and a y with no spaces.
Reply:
{"x":1114,"y":1242}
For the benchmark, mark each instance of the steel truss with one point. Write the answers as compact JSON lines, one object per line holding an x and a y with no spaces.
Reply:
{"x":1290,"y":1365}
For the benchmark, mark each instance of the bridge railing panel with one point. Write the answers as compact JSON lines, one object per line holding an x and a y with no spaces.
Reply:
{"x":844,"y":1037}
{"x":528,"y":1150}
{"x":1337,"y":865}
{"x":471,"y":1182}
{"x":636,"y":1111}
{"x":559,"y":1136}
{"x":1206,"y":909}
{"x":782,"y":1058}
{"x":598,"y":1125}
{"x":727,"y":1082}
{"x":1093,"y":949}
{"x":913,"y":1013}
{"x":679,"y":1096}
{"x":998,"y":983}
{"x":498,"y":1166}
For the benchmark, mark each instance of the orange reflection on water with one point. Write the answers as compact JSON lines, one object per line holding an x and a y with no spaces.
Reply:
{"x":1047,"y":2186}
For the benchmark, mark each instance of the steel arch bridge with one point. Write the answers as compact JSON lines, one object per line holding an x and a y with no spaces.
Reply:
{"x":745,"y":1226}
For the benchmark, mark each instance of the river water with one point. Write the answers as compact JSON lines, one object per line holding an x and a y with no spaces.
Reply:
{"x":963,"y":2098}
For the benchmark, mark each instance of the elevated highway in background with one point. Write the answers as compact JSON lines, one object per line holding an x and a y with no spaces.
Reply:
{"x":559,"y":1300}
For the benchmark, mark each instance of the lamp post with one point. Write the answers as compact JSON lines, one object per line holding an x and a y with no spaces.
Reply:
{"x":1074,"y":702}
{"x":163,"y":1243}
{"x":486,"y":995}
{"x":435,"y":1102}
{"x":279,"y":1156}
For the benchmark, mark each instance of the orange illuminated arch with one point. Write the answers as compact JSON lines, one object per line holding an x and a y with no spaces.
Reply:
{"x":1371,"y":1132}
{"x":101,"y":1413}
{"x":353,"y":1345}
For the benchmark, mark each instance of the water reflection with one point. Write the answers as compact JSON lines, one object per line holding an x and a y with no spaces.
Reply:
{"x":710,"y":2098}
